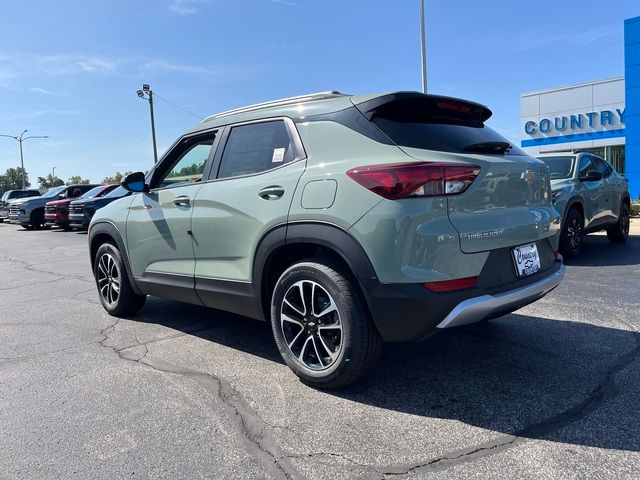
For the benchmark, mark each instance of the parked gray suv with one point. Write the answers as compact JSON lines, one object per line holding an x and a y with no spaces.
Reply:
{"x":590,"y":195}
{"x":345,"y":221}
{"x":11,"y":195}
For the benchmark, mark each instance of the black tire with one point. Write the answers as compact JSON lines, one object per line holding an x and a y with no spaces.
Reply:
{"x":347,"y":359}
{"x":619,"y":232}
{"x":109,"y":273}
{"x":37,"y":219}
{"x":572,"y":234}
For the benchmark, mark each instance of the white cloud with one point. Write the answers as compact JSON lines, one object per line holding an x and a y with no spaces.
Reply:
{"x":44,"y":91}
{"x":185,"y":7}
{"x":69,"y":64}
{"x":290,"y":3}
{"x":42,"y":113}
{"x":602,"y":35}
{"x":18,"y":66}
{"x":161,"y":65}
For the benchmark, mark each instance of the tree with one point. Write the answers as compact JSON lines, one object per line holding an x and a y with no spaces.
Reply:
{"x":77,"y":179}
{"x":12,"y":179}
{"x":50,"y":181}
{"x":115,"y":178}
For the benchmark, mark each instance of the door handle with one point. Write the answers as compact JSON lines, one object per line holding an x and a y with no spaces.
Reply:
{"x":271,"y":193}
{"x":182,"y":201}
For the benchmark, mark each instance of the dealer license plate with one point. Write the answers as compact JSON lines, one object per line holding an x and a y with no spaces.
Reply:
{"x":526,"y":259}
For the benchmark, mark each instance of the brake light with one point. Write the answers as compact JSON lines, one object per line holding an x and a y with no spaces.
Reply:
{"x":450,"y":285}
{"x":410,"y":180}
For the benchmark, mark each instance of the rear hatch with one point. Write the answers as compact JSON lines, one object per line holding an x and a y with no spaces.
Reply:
{"x":509,"y":202}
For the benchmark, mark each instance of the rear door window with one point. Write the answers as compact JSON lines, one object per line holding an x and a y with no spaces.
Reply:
{"x":255,"y":148}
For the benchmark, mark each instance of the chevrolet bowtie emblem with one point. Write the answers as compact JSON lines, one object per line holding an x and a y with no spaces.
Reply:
{"x":528,"y":176}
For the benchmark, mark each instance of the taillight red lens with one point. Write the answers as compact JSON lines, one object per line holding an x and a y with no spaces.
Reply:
{"x":419,"y":179}
{"x":451,"y":285}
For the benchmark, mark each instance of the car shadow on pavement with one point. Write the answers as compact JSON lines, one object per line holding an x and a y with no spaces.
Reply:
{"x":521,"y":375}
{"x":597,"y":251}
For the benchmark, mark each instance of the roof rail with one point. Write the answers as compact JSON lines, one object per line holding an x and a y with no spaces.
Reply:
{"x":278,"y":103}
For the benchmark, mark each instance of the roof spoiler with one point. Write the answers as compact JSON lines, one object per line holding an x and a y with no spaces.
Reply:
{"x":420,"y":107}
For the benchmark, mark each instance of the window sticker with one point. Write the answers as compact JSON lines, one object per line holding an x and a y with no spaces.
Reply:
{"x":278,"y":155}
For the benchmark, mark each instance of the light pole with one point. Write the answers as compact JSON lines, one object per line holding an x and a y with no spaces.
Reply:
{"x":21,"y":138}
{"x":423,"y":47}
{"x":53,"y":174}
{"x":147,"y":94}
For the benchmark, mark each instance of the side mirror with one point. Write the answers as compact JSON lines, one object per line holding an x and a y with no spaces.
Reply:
{"x":62,"y":195}
{"x":134,"y":182}
{"x":591,"y":176}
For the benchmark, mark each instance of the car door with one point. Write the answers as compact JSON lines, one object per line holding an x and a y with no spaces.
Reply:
{"x":257,"y":174}
{"x":159,"y":237}
{"x":611,"y":183}
{"x":593,"y":193}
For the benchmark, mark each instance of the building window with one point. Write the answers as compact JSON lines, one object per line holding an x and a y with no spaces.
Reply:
{"x":615,"y":156}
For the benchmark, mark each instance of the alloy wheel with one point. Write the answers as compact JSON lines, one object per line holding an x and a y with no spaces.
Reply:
{"x":108,"y":279}
{"x":574,"y":233}
{"x":311,"y":325}
{"x":625,"y":221}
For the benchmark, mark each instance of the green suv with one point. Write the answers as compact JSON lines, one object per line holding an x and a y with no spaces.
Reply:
{"x":590,"y":195}
{"x":344,"y":221}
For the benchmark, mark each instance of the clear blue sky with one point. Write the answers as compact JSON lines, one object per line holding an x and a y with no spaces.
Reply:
{"x":70,"y":69}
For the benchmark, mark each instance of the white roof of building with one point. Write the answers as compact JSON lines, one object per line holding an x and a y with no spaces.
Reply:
{"x":575,"y":85}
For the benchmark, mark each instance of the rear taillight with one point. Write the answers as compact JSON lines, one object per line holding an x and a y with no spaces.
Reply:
{"x":410,"y":180}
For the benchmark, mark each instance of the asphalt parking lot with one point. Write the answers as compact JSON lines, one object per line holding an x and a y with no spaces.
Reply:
{"x":551,"y":391}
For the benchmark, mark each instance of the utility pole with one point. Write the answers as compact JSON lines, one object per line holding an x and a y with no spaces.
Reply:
{"x":21,"y":138}
{"x":147,"y":94}
{"x":423,"y":47}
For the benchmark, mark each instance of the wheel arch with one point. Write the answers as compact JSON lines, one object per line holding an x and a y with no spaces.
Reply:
{"x":574,"y":202}
{"x":287,"y":244}
{"x":105,"y":232}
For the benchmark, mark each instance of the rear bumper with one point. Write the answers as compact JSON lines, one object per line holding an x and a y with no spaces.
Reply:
{"x":489,"y":306}
{"x":409,"y":312}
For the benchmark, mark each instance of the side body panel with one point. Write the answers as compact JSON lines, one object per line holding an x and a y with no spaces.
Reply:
{"x":333,"y":149}
{"x":158,"y":232}
{"x":230,"y":217}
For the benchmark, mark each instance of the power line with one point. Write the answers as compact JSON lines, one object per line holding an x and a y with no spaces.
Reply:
{"x":199,"y":117}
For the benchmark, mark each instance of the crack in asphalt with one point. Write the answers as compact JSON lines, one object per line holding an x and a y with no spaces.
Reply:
{"x":32,"y":268}
{"x":604,"y":391}
{"x":254,"y":433}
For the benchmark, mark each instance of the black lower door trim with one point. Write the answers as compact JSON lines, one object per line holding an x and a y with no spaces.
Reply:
{"x":235,"y":297}
{"x":171,"y":286}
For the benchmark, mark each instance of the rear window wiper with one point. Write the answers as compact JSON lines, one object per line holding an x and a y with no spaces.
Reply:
{"x":496,"y":148}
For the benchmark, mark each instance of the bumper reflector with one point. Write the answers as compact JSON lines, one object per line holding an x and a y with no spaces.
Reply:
{"x":451,"y":285}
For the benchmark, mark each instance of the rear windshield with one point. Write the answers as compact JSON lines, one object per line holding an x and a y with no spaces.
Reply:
{"x":412,"y":124}
{"x":559,"y":167}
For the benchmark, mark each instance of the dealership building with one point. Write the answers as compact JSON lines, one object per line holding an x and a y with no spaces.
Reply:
{"x":601,"y":116}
